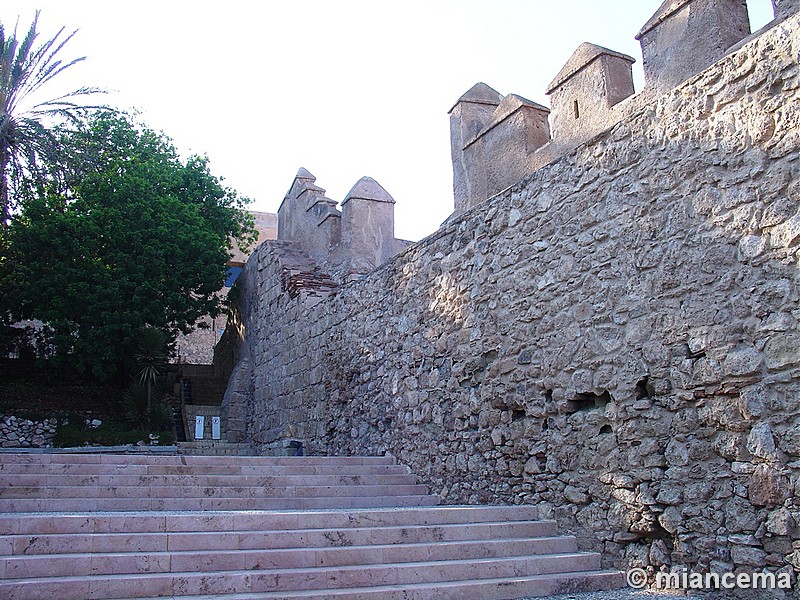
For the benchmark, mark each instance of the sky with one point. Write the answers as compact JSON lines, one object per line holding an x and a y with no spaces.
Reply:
{"x":343,"y":88}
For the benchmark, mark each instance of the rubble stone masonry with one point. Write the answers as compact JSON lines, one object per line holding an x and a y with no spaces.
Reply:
{"x":614,"y":339}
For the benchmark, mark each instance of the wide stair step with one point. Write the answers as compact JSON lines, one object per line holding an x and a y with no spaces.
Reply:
{"x":137,"y":526}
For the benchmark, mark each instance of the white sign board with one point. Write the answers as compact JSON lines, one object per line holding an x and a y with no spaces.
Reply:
{"x":199,"y":425}
{"x":215,"y":428}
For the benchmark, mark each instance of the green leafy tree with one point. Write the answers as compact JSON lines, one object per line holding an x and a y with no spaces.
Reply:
{"x":136,"y":237}
{"x":29,"y":148}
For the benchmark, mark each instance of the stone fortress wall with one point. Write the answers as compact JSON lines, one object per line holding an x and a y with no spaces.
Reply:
{"x":612,"y":337}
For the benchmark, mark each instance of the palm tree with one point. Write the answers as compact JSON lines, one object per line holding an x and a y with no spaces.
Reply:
{"x":28,"y":147}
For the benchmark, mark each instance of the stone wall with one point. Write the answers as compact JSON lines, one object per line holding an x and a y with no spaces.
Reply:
{"x":614,"y":339}
{"x":16,"y":432}
{"x":273,"y":349}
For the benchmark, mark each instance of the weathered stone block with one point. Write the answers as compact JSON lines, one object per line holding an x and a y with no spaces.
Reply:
{"x":740,"y":516}
{"x":751,"y":401}
{"x":790,"y":440}
{"x":761,"y":442}
{"x":767,"y":486}
{"x":782,"y":350}
{"x":742,"y":361}
{"x":748,"y":556}
{"x":676,"y":454}
{"x":670,"y":493}
{"x":785,"y":8}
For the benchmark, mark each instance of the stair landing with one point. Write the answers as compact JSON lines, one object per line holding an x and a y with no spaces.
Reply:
{"x":214,"y":448}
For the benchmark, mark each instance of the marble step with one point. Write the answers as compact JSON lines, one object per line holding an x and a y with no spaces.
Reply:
{"x":219,"y":503}
{"x":214,"y":448}
{"x":475,"y":589}
{"x":235,"y":470}
{"x":54,"y":479}
{"x":109,"y":560}
{"x":133,"y":540}
{"x":291,"y":520}
{"x":177,"y":583}
{"x":9,"y":458}
{"x":89,"y":491}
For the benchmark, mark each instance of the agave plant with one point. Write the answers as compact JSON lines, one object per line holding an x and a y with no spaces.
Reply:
{"x":28,"y":146}
{"x":160,"y":417}
{"x":134,"y":404}
{"x":150,"y":356}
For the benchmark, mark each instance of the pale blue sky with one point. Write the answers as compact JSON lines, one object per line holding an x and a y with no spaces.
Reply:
{"x":344,"y":88}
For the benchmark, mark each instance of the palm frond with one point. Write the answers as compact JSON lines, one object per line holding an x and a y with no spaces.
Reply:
{"x":28,"y":150}
{"x":150,"y":353}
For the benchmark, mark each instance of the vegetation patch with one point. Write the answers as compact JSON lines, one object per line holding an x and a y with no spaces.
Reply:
{"x":74,"y":432}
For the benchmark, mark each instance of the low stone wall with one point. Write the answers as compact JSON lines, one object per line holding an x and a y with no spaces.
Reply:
{"x":16,"y":432}
{"x":615,"y":339}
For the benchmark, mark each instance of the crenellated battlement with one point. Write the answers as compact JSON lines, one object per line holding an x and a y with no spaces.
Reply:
{"x":349,"y":241}
{"x":497,"y":140}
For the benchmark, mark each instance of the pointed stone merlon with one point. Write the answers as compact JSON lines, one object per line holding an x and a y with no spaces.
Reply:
{"x":684,"y":37}
{"x":491,"y":139}
{"x":785,"y":8}
{"x":470,"y":114}
{"x":291,"y":213}
{"x":308,"y":217}
{"x":583,"y":93}
{"x":367,"y":227}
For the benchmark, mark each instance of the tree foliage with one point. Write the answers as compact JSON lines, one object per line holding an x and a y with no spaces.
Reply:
{"x":132,"y":236}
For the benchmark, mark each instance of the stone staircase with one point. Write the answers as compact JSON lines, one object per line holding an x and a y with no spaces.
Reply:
{"x":78,"y":526}
{"x":214,"y":448}
{"x":206,"y":395}
{"x":207,"y":445}
{"x":204,"y":385}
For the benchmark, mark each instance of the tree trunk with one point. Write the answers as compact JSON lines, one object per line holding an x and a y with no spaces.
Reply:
{"x":149,"y":403}
{"x":4,"y":199}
